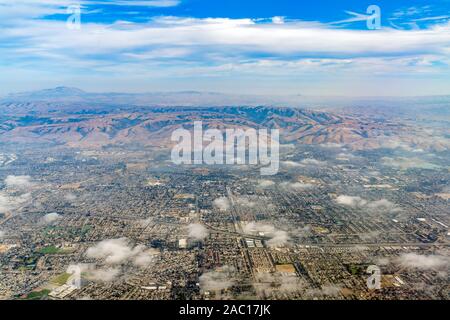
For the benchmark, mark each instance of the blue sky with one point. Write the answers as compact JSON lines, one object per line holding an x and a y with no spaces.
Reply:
{"x":257,"y":47}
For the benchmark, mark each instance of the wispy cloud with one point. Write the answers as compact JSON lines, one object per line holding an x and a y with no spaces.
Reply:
{"x":51,"y":218}
{"x":423,"y":262}
{"x":120,"y":251}
{"x":197,"y":231}
{"x":432,"y":18}
{"x":357,"y":202}
{"x":132,"y":3}
{"x":217,"y":280}
{"x":278,"y":238}
{"x":184,"y":47}
{"x":356,"y":17}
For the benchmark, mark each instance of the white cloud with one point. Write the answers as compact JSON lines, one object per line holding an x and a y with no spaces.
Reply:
{"x":355,"y":18}
{"x":291,"y":164}
{"x":222,"y":35}
{"x":93,"y":273}
{"x":11,"y":203}
{"x":20,"y":182}
{"x":278,"y":20}
{"x":135,"y":3}
{"x":351,"y":201}
{"x":408,"y":163}
{"x":428,"y":140}
{"x":423,"y":262}
{"x":278,"y":238}
{"x":217,"y":280}
{"x":383,"y":261}
{"x":382,"y":205}
{"x":213,"y":48}
{"x":254,"y":227}
{"x":343,"y":156}
{"x":297,"y":185}
{"x":222,"y":203}
{"x":21,"y":10}
{"x":293,"y":38}
{"x":70,"y":197}
{"x":119,"y":251}
{"x":51,"y":218}
{"x":103,"y":275}
{"x":313,"y":162}
{"x":2,"y":234}
{"x":304,"y":163}
{"x":446,"y":17}
{"x":145,"y":257}
{"x":265,"y":183}
{"x":268,"y":284}
{"x":197,"y":231}
{"x":377,"y":206}
{"x":246,"y":202}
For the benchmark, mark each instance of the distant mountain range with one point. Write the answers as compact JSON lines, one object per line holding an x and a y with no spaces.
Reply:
{"x":73,"y":100}
{"x":72,"y":117}
{"x":154,"y":127}
{"x":66,"y":100}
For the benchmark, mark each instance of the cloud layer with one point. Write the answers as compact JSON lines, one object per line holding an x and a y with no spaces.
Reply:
{"x":278,"y":238}
{"x":197,"y":231}
{"x":424,"y":262}
{"x":120,"y":251}
{"x":357,"y":202}
{"x":182,"y":48}
{"x":222,"y":203}
{"x":16,"y":194}
{"x":19,"y":182}
{"x":217,"y":280}
{"x":51,"y":218}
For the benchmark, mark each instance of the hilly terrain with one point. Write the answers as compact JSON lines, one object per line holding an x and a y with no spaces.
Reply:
{"x":74,"y":118}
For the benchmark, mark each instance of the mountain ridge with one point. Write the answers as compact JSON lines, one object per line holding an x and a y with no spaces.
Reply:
{"x":64,"y":100}
{"x":155,"y":126}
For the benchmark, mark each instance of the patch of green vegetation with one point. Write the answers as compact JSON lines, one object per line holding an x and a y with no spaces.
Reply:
{"x":85,"y":229}
{"x":23,"y":268}
{"x":51,"y":250}
{"x":356,"y":269}
{"x":28,"y":263}
{"x":61,"y":279}
{"x":37,"y":295}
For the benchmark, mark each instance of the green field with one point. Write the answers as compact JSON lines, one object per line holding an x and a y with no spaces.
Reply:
{"x":52,"y":250}
{"x":61,"y":279}
{"x":37,"y":295}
